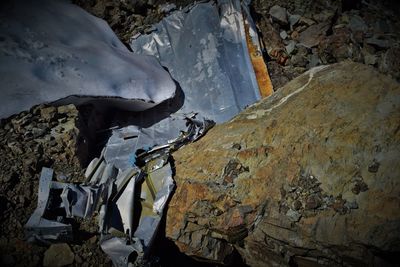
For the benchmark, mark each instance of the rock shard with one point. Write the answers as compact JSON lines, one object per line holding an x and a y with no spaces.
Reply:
{"x":315,"y":177}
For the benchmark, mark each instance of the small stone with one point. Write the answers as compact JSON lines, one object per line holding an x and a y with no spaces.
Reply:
{"x":58,"y":255}
{"x":313,"y":35}
{"x":351,"y":205}
{"x":217,"y":212}
{"x":70,"y":110}
{"x":389,"y":62}
{"x":283,"y":35}
{"x":297,"y":205}
{"x":379,"y":43}
{"x":290,"y":47}
{"x":93,"y":240}
{"x":48,"y":113}
{"x":382,"y":26}
{"x":279,"y":14}
{"x":21,"y":199}
{"x":78,"y":259}
{"x":313,"y":60}
{"x":369,"y":59}
{"x":325,"y":15}
{"x":360,"y":186}
{"x":293,"y":215}
{"x":306,"y":21}
{"x":374,"y":166}
{"x":313,"y":202}
{"x":293,"y":19}
{"x":356,"y":23}
{"x":295,"y":35}
{"x":339,"y":205}
{"x":236,"y":146}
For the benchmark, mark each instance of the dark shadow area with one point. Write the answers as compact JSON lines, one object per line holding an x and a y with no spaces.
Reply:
{"x":147,"y":118}
{"x":388,"y":258}
{"x":100,"y":118}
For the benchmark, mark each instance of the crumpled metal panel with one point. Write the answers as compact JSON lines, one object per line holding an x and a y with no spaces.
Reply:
{"x":39,"y":228}
{"x":124,"y":206}
{"x":119,"y":250}
{"x":80,"y":201}
{"x":163,"y":177}
{"x":121,"y":151}
{"x":204,"y":48}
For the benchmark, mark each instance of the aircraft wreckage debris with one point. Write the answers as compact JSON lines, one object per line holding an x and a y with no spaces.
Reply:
{"x":113,"y":192}
{"x":128,"y":186}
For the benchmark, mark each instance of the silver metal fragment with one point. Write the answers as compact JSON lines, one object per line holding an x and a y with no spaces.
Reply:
{"x":39,"y":228}
{"x":120,"y":250}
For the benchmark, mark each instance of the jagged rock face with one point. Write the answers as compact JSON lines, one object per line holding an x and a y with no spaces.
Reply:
{"x":307,"y":176}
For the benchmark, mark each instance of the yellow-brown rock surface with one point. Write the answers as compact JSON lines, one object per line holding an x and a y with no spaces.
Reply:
{"x":308,"y":176}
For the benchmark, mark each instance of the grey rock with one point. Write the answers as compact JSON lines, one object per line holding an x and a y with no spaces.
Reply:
{"x":290,"y":46}
{"x":306,"y":21}
{"x":293,"y":215}
{"x":279,"y":14}
{"x":325,"y":15}
{"x":356,"y":23}
{"x":78,"y":259}
{"x":313,"y":35}
{"x":374,"y":167}
{"x":293,"y":20}
{"x":390,"y":62}
{"x":313,"y":60}
{"x":379,"y":43}
{"x":351,"y":205}
{"x":369,"y":59}
{"x":283,"y":35}
{"x":48,"y":113}
{"x":58,"y":255}
{"x":382,"y":26}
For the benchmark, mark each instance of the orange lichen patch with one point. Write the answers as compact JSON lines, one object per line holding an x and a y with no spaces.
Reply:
{"x":260,"y":69}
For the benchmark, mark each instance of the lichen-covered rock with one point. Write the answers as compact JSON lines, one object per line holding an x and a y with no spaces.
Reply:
{"x":307,"y":176}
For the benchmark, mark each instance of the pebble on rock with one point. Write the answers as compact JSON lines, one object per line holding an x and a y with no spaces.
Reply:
{"x":279,"y":14}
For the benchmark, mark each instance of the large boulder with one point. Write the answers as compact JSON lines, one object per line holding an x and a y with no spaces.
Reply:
{"x":307,"y":176}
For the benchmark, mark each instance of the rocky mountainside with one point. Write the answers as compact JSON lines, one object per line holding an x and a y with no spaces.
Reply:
{"x":307,"y":177}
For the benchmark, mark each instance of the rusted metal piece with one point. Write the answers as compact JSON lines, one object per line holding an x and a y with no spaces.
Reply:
{"x":259,"y":66}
